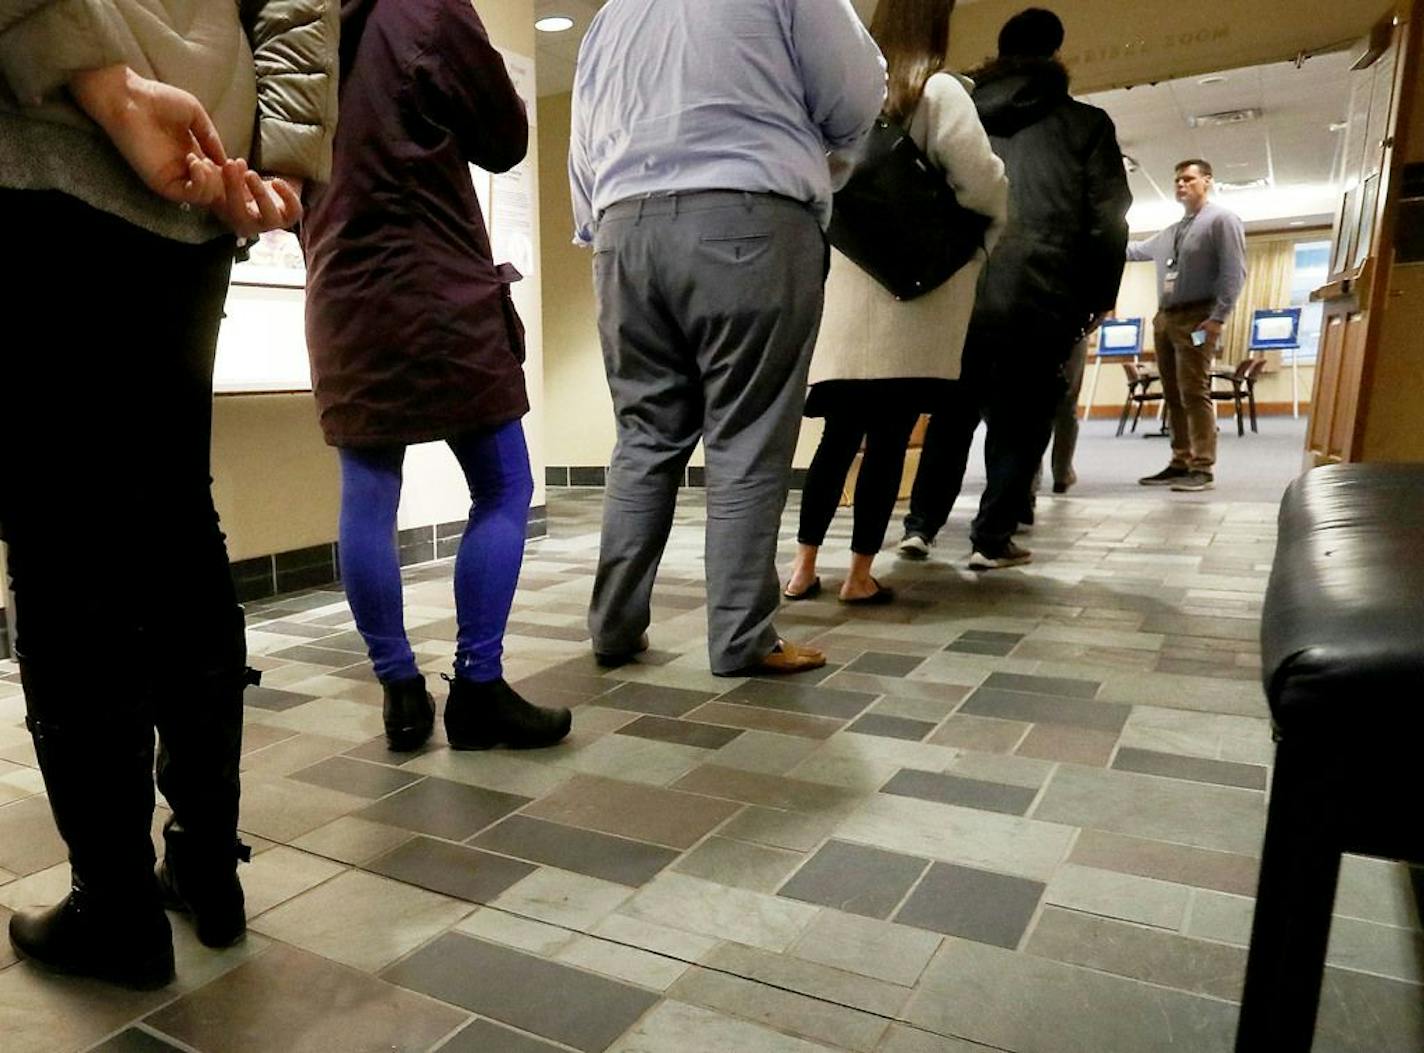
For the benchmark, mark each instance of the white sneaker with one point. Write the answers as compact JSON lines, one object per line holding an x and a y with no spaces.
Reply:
{"x":912,"y":546}
{"x":1011,"y":556}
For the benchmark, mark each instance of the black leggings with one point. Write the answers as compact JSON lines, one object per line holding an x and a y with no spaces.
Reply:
{"x":886,"y":435}
{"x":115,"y":549}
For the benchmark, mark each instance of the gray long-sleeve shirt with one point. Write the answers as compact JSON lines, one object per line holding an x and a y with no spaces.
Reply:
{"x":1208,"y":253}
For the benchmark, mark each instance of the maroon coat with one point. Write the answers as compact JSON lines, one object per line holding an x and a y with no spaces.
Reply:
{"x":412,"y":332}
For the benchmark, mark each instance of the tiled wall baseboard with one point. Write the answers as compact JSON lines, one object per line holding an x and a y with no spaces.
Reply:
{"x":308,"y":568}
{"x":588,"y":476}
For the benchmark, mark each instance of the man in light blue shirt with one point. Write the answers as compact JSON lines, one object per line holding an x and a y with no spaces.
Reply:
{"x":698,"y":168}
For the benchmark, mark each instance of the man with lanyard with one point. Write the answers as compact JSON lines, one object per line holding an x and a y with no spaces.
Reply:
{"x":698,"y":168}
{"x":1201,"y":266}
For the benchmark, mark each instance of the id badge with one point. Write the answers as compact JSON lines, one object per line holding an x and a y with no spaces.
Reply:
{"x":1169,"y":282}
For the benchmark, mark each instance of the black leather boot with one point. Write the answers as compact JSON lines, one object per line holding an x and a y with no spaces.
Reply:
{"x":95,"y":750}
{"x":480,"y":716}
{"x":409,"y":712}
{"x":200,"y":748}
{"x":201,"y":880}
{"x":124,"y":939}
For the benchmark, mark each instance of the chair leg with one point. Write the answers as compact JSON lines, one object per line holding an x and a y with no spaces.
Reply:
{"x":1240,"y":414}
{"x":1126,"y":410}
{"x":1300,"y":866}
{"x":1136,"y":417}
{"x":1251,"y":400}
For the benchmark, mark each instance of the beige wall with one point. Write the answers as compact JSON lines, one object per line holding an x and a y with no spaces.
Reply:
{"x":275,"y":481}
{"x":579,"y":413}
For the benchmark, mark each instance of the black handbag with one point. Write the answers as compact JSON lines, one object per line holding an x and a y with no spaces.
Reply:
{"x":898,"y":220}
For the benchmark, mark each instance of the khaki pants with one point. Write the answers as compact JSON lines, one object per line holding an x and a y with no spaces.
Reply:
{"x":1186,"y":385}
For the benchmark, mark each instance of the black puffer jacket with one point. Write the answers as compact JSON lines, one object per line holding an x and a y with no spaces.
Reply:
{"x":1061,"y":257}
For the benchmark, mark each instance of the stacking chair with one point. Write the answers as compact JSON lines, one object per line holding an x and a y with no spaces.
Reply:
{"x":1243,"y":389}
{"x":1139,"y":390}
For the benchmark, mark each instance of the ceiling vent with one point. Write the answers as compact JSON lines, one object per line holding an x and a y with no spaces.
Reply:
{"x":1253,"y":184}
{"x":1217,"y":120}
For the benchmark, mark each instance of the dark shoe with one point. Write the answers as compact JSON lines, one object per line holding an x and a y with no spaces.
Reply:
{"x":1060,"y":486}
{"x":786,"y":657}
{"x":97,"y":761}
{"x":810,"y":592}
{"x":202,"y":881}
{"x":409,"y":712}
{"x":126,"y":941}
{"x":878,"y":598}
{"x":1166,"y":477}
{"x":1011,"y":555}
{"x":200,"y":728}
{"x":481,"y":716}
{"x":1194,"y":482}
{"x":613,"y":659}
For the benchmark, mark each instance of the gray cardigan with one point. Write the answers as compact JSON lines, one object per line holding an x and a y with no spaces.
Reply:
{"x":265,"y":70}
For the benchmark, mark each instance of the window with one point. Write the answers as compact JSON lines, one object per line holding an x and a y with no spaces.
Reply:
{"x":1312,"y":268}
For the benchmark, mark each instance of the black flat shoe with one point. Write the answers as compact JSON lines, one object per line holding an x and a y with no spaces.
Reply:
{"x":409,"y":712}
{"x":481,"y":716}
{"x":878,"y":598}
{"x":810,"y":592}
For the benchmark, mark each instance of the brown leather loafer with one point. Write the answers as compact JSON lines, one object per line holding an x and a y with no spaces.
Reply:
{"x":789,"y":658}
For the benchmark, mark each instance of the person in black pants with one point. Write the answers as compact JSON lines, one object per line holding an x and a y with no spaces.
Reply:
{"x":1052,"y":278}
{"x":127,"y":621}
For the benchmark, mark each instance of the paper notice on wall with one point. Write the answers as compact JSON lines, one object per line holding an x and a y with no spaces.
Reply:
{"x":508,"y":200}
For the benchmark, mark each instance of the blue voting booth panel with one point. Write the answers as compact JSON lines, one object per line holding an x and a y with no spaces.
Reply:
{"x":1275,"y":329}
{"x":1120,"y":338}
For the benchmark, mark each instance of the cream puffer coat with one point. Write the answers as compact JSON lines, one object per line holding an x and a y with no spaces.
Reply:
{"x":265,"y":70}
{"x":866,"y":334}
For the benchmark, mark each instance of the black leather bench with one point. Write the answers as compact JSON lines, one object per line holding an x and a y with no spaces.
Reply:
{"x":1342,"y":649}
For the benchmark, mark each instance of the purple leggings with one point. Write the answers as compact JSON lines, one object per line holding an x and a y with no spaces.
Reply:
{"x":496,"y":467}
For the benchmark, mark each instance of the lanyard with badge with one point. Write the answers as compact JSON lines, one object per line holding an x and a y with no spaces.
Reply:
{"x":1169,"y":276}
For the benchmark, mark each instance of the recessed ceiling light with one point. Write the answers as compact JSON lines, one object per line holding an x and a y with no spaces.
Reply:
{"x":1297,"y":223}
{"x":554,"y":24}
{"x":1213,"y":79}
{"x":1339,"y":126}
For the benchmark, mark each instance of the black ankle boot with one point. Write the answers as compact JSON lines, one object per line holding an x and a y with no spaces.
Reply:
{"x":201,"y":880}
{"x":126,"y":941}
{"x":480,"y":716}
{"x":410,"y":714}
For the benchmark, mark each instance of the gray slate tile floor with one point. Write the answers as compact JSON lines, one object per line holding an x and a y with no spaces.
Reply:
{"x":1021,"y":813}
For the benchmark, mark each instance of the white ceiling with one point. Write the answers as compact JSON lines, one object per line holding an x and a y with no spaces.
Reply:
{"x":1290,"y":143}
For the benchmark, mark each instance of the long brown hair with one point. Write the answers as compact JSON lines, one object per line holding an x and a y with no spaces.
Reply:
{"x":914,"y":38}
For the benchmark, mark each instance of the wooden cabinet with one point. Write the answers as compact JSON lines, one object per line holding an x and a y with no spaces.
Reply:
{"x":1369,"y":383}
